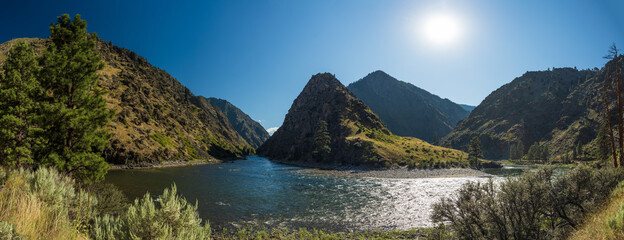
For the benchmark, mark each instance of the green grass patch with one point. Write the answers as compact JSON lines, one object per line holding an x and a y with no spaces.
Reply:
{"x":163,"y":140}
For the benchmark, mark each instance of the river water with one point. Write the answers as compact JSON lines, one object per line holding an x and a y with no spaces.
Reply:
{"x":258,"y":191}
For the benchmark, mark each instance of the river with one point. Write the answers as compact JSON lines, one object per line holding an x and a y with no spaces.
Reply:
{"x":258,"y":191}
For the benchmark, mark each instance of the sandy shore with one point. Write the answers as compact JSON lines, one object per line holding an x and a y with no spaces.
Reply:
{"x":400,"y":173}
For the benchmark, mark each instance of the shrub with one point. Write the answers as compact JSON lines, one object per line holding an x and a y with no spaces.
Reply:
{"x":536,"y":205}
{"x":169,"y":217}
{"x":44,"y":204}
{"x":617,"y":222}
{"x":7,"y":232}
{"x":111,"y":201}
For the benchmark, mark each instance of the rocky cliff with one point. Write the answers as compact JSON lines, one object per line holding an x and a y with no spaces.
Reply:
{"x":356,"y":134}
{"x":406,"y":109}
{"x":560,"y":108}
{"x":249,"y":129}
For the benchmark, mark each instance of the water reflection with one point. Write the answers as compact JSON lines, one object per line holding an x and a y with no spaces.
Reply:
{"x":259,"y":191}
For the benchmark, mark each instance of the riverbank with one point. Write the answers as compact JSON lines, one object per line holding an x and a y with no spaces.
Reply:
{"x":393,"y":172}
{"x":166,"y":164}
{"x":250,"y":232}
{"x":399,"y":172}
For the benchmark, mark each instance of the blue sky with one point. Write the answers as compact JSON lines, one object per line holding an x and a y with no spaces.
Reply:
{"x":260,"y":54}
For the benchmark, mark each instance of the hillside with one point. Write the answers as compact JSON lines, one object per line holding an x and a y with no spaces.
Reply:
{"x":559,"y":108}
{"x":406,"y":109}
{"x":157,"y":119}
{"x":356,"y":135}
{"x":249,"y":129}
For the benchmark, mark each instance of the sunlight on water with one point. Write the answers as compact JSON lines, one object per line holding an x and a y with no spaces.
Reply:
{"x":257,"y":191}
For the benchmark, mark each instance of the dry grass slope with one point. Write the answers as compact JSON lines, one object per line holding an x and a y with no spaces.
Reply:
{"x":607,"y":222}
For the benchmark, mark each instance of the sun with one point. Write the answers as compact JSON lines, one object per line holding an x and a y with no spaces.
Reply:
{"x":441,"y":29}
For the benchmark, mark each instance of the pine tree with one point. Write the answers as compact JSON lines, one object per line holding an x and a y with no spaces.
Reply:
{"x":19,"y":92}
{"x":474,"y":152}
{"x":544,"y":153}
{"x":436,"y":139}
{"x":520,"y":149}
{"x":321,"y":141}
{"x":614,"y":56}
{"x":579,"y":150}
{"x":76,"y":113}
{"x":602,"y":141}
{"x":516,"y":151}
{"x":513,"y":152}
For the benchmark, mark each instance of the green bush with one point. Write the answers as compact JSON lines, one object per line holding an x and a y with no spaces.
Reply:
{"x":617,"y":222}
{"x":7,"y":232}
{"x":111,"y":201}
{"x":169,"y":217}
{"x":59,"y":193}
{"x":260,"y":233}
{"x":535,"y":205}
{"x":45,"y":204}
{"x":3,"y":176}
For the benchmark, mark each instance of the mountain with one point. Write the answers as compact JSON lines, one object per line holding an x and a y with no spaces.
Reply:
{"x":355,"y":134}
{"x":406,"y":109}
{"x":157,"y":119}
{"x":467,"y":107}
{"x":249,"y":129}
{"x":559,"y":108}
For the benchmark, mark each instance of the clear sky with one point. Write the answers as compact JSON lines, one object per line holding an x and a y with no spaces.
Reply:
{"x":259,"y":54}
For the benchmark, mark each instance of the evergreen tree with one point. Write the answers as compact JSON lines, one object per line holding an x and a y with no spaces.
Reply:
{"x":321,"y":141}
{"x":615,"y":56}
{"x":19,"y":92}
{"x":602,"y":141}
{"x":544,"y":152}
{"x":516,"y":151}
{"x":474,"y":152}
{"x":513,"y":152}
{"x":436,"y":139}
{"x":76,"y":113}
{"x":538,"y":152}
{"x":579,"y":150}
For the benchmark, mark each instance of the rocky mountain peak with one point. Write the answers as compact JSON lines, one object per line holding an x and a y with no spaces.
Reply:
{"x":356,"y":135}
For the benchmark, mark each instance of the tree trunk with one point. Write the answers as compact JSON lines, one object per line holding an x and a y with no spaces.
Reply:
{"x":620,"y":117}
{"x":608,"y":117}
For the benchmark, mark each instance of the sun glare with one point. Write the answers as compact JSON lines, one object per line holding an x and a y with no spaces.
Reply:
{"x":441,"y":29}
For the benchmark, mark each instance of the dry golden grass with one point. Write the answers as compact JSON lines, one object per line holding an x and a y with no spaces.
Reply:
{"x":31,"y":216}
{"x":596,"y":225}
{"x":406,"y":150}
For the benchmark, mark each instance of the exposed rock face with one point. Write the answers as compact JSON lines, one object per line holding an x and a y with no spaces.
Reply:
{"x":357,"y":135}
{"x":157,"y":119}
{"x":406,"y":109}
{"x":559,"y":107}
{"x":249,"y":129}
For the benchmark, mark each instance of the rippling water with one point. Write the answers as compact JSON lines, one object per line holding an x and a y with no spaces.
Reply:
{"x":262,"y":192}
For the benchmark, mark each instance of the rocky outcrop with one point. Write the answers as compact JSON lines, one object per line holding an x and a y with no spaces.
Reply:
{"x":249,"y":129}
{"x":560,"y":108}
{"x":357,"y":136}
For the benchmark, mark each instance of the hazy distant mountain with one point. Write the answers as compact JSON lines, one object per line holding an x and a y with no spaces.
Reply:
{"x":357,"y":136}
{"x":467,"y":107}
{"x":559,"y":107}
{"x":406,"y":109}
{"x":157,"y":118}
{"x":249,"y":129}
